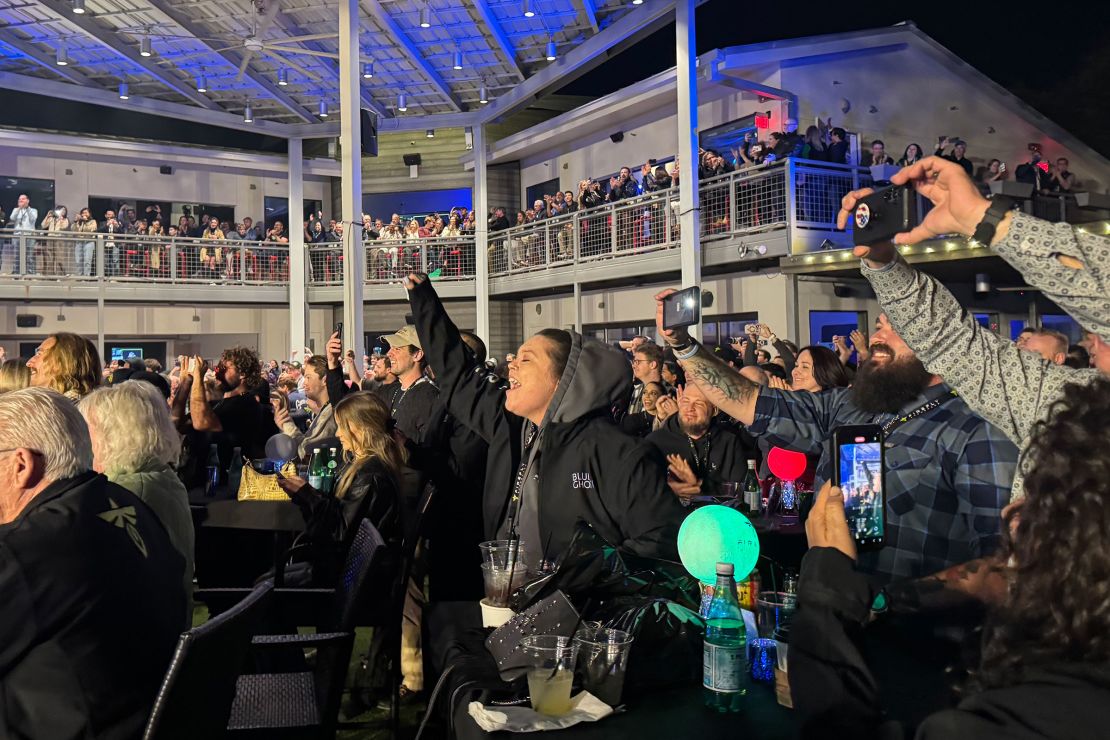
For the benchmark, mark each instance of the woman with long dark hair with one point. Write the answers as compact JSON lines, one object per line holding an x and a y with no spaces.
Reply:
{"x":1045,"y":665}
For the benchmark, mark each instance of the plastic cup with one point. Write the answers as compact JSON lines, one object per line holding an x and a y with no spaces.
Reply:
{"x":503,"y":553}
{"x":551,"y":660}
{"x":500,"y":582}
{"x":773,"y":610}
{"x":603,"y":661}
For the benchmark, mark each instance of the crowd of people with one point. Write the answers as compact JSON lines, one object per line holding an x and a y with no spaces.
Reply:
{"x":995,"y":478}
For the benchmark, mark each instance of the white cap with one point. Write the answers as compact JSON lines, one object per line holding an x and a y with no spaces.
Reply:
{"x":725,"y":569}
{"x":751,"y":464}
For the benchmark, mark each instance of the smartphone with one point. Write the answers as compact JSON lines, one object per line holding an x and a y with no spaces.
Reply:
{"x":751,"y":328}
{"x":682,"y":309}
{"x":1001,"y":166}
{"x":884,"y":213}
{"x":859,"y":470}
{"x":339,"y":329}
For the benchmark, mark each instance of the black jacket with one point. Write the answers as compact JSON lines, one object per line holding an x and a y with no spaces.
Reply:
{"x":499,"y":224}
{"x":331,"y":521}
{"x":92,"y":599}
{"x":584,"y":467}
{"x":728,"y":452}
{"x":837,"y":695}
{"x":622,"y":191}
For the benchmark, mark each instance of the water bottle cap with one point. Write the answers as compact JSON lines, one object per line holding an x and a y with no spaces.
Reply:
{"x":751,"y":464}
{"x":315,"y":450}
{"x":725,"y":569}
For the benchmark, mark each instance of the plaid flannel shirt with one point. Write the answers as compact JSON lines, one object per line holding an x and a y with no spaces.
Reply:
{"x":948,"y":473}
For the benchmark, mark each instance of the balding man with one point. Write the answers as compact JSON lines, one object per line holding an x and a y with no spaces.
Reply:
{"x":90,"y":583}
{"x":1049,"y":344}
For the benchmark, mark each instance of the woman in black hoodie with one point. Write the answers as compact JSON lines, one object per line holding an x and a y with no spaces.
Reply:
{"x":555,"y":455}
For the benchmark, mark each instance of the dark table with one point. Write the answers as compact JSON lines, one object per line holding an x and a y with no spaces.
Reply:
{"x":667,"y":714}
{"x":280,"y":519}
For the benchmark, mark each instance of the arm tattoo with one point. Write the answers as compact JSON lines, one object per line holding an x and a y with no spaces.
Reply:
{"x":718,"y":378}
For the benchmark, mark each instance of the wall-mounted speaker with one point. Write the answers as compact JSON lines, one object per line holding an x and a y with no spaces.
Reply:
{"x":28,"y":320}
{"x":411,"y":160}
{"x":617,"y":137}
{"x":368,"y":132}
{"x":165,"y":170}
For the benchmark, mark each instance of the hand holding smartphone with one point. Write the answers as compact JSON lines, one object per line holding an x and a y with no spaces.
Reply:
{"x":859,"y":470}
{"x":682,"y":309}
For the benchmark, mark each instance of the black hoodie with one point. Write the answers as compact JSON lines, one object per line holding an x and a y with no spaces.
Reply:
{"x":581,"y":467}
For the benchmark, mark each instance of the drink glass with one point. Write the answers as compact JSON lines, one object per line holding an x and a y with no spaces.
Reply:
{"x":503,"y":553}
{"x":551,"y":661}
{"x":501,"y":582}
{"x":773,"y":610}
{"x":603,"y":661}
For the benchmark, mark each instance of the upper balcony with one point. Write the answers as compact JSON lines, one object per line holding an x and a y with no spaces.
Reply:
{"x":784,"y":211}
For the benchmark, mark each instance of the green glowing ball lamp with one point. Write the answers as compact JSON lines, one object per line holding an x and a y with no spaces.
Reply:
{"x":714,"y":534}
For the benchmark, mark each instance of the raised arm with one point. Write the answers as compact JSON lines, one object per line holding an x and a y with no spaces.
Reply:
{"x":200,"y":412}
{"x":464,"y":384}
{"x":727,"y":389}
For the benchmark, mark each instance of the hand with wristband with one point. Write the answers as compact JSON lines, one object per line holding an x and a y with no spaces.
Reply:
{"x":958,"y":208}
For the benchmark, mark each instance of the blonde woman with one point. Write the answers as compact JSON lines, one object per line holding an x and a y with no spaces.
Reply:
{"x":67,"y":363}
{"x":142,"y":460}
{"x":14,"y":374}
{"x":51,"y":254}
{"x":368,"y":486}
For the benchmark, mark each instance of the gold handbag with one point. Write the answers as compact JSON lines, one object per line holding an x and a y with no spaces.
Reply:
{"x":255,"y":486}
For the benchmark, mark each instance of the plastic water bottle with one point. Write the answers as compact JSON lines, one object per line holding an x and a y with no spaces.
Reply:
{"x":316,"y":468}
{"x":725,"y":652}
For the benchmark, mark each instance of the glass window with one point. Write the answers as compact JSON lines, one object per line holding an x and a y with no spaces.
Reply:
{"x":277,"y":209}
{"x":536,"y":192}
{"x":824,"y":325}
{"x":1016,"y":325}
{"x":1064,"y":324}
{"x":988,"y":321}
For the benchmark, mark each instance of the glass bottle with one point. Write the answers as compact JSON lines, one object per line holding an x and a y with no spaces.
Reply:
{"x":724,"y":656}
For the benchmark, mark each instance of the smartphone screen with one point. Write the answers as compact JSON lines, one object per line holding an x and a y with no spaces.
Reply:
{"x":339,"y":329}
{"x":682,"y":308}
{"x":858,"y":470}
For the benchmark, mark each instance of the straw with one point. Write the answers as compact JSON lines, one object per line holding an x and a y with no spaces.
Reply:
{"x":573,"y":632}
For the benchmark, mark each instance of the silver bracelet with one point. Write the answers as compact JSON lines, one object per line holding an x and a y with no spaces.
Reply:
{"x":693,"y":350}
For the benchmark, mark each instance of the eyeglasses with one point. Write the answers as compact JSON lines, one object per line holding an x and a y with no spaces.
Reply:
{"x":637,"y":362}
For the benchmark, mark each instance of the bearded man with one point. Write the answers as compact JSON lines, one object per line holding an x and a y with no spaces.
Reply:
{"x":948,"y":472}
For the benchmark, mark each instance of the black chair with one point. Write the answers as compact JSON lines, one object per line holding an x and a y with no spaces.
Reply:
{"x":196,"y":695}
{"x":305,"y":702}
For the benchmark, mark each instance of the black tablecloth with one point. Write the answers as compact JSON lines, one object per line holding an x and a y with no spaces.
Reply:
{"x":237,"y":541}
{"x":668,"y":714}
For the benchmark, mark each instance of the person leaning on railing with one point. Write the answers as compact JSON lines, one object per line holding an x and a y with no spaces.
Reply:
{"x":49,"y":253}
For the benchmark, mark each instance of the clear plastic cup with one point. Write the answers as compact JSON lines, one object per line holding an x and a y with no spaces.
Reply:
{"x":773,"y":610}
{"x":500,"y":582}
{"x":503,"y":553}
{"x":603,"y":661}
{"x":551,"y":661}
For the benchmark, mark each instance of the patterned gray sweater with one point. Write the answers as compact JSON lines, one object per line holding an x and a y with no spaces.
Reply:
{"x":1008,"y":387}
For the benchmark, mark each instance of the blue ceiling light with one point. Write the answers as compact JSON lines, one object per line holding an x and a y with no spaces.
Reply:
{"x":323,"y":109}
{"x":402,"y":102}
{"x":552,"y":50}
{"x":123,"y":91}
{"x":458,"y":61}
{"x":248,"y":114}
{"x":483,"y":95}
{"x":425,"y":17}
{"x":367,"y":70}
{"x":283,"y":76}
{"x":526,"y":9}
{"x":202,"y":84}
{"x":62,"y":56}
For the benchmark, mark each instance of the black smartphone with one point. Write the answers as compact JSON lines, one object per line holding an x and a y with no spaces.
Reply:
{"x":884,"y":213}
{"x":682,"y":309}
{"x":859,"y":470}
{"x":339,"y":329}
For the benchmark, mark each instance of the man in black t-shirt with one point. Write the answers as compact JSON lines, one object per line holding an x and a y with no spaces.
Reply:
{"x":237,"y":420}
{"x":414,"y":401}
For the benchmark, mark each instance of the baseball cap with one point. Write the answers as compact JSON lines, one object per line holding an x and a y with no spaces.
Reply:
{"x":405,"y":336}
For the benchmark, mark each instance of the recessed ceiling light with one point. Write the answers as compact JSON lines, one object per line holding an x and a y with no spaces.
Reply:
{"x":430,"y":133}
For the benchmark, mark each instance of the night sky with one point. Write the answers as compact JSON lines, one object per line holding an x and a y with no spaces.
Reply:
{"x":1055,"y":56}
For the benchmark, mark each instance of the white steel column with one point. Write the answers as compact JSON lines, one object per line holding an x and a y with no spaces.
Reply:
{"x":298,"y":276}
{"x":689,"y":220}
{"x":578,"y":306}
{"x":481,"y":237}
{"x":350,"y":144}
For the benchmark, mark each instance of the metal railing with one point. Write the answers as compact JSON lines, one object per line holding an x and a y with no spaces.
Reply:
{"x":92,"y":256}
{"x":388,"y":260}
